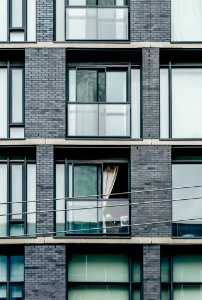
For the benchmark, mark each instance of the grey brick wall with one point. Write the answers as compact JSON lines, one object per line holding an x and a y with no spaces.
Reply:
{"x":45,"y":188}
{"x":151,"y":272}
{"x":150,"y":20}
{"x":44,"y":20}
{"x":151,"y":169}
{"x":45,"y":272}
{"x":150,"y":92}
{"x":45,"y":93}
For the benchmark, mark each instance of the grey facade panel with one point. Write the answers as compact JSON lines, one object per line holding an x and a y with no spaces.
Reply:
{"x":150,"y":20}
{"x":151,"y":272}
{"x":44,"y":20}
{"x":45,"y":189}
{"x":150,"y":93}
{"x":45,"y":272}
{"x":151,"y":170}
{"x":45,"y":93}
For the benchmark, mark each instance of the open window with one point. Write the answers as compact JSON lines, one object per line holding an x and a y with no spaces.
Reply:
{"x":92,"y":197}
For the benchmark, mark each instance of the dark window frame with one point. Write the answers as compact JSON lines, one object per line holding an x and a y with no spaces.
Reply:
{"x":113,"y":68}
{"x":98,"y":162}
{"x":97,"y":6}
{"x":11,"y":218}
{"x":9,"y":284}
{"x":14,"y":66}
{"x":22,"y":29}
{"x":131,"y":285}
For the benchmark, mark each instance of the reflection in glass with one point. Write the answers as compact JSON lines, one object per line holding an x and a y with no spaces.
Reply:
{"x":98,"y":268}
{"x":116,"y":84}
{"x":16,"y":292}
{"x":86,"y":86}
{"x":186,"y":214}
{"x":16,"y":268}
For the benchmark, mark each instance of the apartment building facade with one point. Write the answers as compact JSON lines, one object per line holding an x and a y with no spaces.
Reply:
{"x":100,"y":149}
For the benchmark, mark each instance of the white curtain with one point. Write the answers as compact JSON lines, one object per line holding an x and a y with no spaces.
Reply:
{"x":186,"y":20}
{"x":109,"y":178}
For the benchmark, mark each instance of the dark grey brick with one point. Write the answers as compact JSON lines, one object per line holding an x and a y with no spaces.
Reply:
{"x":45,"y":272}
{"x":151,"y":170}
{"x":45,"y":93}
{"x":44,"y":20}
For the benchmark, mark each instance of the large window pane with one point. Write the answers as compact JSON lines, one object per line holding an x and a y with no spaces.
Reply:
{"x":83,"y":120}
{"x":4,"y":21}
{"x":186,"y":103}
{"x":17,"y":17}
{"x":85,"y":181}
{"x":114,"y":120}
{"x":81,"y":23}
{"x":98,"y":268}
{"x":16,"y":292}
{"x":164,"y":104}
{"x":60,"y":196}
{"x":135,"y":103}
{"x":16,"y":268}
{"x":187,"y":292}
{"x":31,"y":198}
{"x":16,"y":192}
{"x":98,"y":292}
{"x":116,"y":83}
{"x":3,"y":268}
{"x":86,"y":86}
{"x":187,"y":175}
{"x":17,"y":95}
{"x":31,"y":20}
{"x":3,"y":103}
{"x":97,"y":23}
{"x":165,"y":269}
{"x":186,"y":20}
{"x":187,"y":268}
{"x":3,"y":292}
{"x":3,"y":199}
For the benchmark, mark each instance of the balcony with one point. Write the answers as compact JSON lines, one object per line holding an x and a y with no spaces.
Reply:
{"x":97,"y":23}
{"x":97,"y":216}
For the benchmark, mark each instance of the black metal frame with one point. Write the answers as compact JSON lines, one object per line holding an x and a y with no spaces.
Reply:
{"x":91,"y":6}
{"x":8,"y":283}
{"x":169,"y":67}
{"x":98,"y":163}
{"x":13,"y":66}
{"x":130,"y":284}
{"x":112,"y":67}
{"x":11,"y":218}
{"x":170,"y":284}
{"x":22,"y":29}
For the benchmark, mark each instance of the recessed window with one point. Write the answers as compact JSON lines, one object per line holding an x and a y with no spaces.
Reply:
{"x":18,"y":20}
{"x":104,"y":276}
{"x":186,"y":20}
{"x":12,"y":277}
{"x":91,"y":199}
{"x":17,"y":196}
{"x":91,"y":20}
{"x":11,"y":100}
{"x":187,"y":192}
{"x":181,"y":102}
{"x":103,"y":101}
{"x":181,"y":277}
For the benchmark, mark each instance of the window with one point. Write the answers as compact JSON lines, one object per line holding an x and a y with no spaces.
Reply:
{"x":104,"y":276}
{"x":181,"y":277}
{"x":187,"y":192}
{"x":12,"y":277}
{"x":11,"y":99}
{"x":91,"y":20}
{"x":103,"y":101}
{"x":186,"y":20}
{"x":181,"y":102}
{"x":92,"y":195}
{"x":18,"y":20}
{"x":17,"y":195}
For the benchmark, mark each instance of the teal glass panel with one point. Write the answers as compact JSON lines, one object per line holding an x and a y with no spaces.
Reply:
{"x":16,"y":268}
